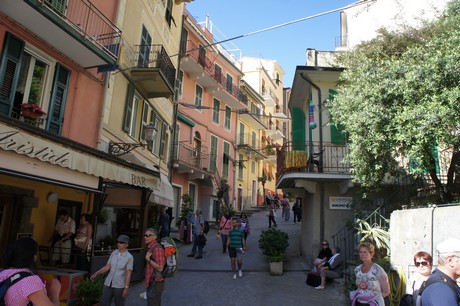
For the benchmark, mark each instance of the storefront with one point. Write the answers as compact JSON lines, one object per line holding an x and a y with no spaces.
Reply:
{"x":41,"y":174}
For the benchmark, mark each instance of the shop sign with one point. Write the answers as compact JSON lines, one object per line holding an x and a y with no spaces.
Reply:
{"x":340,"y":202}
{"x":34,"y":147}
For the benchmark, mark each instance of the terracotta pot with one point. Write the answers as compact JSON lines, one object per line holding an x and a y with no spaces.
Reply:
{"x":29,"y":114}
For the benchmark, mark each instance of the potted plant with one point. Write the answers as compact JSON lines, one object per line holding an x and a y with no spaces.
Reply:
{"x":31,"y":111}
{"x":89,"y":291}
{"x":274,"y":243}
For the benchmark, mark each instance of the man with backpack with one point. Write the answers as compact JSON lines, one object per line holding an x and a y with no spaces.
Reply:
{"x":155,"y":262}
{"x":440,"y":288}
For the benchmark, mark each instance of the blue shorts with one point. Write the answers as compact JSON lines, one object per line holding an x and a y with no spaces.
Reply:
{"x":235,"y":252}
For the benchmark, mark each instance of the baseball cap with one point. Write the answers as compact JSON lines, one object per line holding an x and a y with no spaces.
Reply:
{"x":450,"y":245}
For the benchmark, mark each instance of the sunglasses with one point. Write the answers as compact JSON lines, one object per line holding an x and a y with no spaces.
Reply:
{"x":421,"y":263}
{"x":122,"y":242}
{"x":324,"y":243}
{"x":149,"y":235}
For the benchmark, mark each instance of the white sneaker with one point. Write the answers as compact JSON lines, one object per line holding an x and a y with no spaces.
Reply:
{"x":240,"y":273}
{"x":319,"y":287}
{"x":234,"y":276}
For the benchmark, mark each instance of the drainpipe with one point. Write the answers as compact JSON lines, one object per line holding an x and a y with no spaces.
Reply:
{"x":320,"y":123}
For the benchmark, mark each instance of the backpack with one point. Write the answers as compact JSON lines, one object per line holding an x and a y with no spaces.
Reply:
{"x":417,"y":296}
{"x":170,"y":251}
{"x":10,"y":281}
{"x":206,"y":227}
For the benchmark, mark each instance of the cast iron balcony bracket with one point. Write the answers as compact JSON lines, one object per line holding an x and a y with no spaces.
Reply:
{"x":120,"y":148}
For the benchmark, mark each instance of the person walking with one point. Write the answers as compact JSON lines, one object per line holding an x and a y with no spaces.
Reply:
{"x":271,"y":215}
{"x":443,"y":290}
{"x":164,"y":223}
{"x":120,"y":266}
{"x":197,"y":222}
{"x":236,"y":245}
{"x":155,"y":263}
{"x":83,"y":242}
{"x":20,"y":257}
{"x":225,"y":226}
{"x":297,"y":210}
{"x":286,"y":208}
{"x":244,"y":225}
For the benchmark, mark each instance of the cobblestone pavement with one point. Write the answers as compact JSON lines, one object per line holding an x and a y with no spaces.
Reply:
{"x":208,"y":281}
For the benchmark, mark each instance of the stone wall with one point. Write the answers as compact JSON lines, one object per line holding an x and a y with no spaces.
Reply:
{"x":421,"y":229}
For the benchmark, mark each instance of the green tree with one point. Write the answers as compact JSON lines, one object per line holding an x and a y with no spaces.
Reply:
{"x":399,"y":99}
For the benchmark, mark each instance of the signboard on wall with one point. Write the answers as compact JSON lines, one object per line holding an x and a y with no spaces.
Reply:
{"x":340,"y":202}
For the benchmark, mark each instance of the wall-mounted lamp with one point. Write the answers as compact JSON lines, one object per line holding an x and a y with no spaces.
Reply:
{"x":121,"y":148}
{"x":52,"y":197}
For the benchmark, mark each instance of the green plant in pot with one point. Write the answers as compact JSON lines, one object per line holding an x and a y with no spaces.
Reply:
{"x":274,"y":243}
{"x":89,"y":291}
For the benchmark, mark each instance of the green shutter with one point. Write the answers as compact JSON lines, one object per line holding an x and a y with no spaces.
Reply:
{"x":58,"y":100}
{"x":9,"y":72}
{"x":128,"y":108}
{"x":298,"y":129}
{"x":338,"y":135}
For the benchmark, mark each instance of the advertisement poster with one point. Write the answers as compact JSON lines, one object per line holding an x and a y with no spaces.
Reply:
{"x":340,"y":202}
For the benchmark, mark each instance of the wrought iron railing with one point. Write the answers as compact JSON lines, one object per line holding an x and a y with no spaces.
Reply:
{"x":193,"y":52}
{"x":89,"y":21}
{"x":192,"y":157}
{"x":155,"y":56}
{"x":326,"y":158}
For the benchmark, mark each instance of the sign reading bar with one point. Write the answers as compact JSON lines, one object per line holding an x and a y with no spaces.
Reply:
{"x":340,"y":202}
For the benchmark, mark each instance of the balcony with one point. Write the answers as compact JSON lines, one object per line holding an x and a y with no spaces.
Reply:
{"x":151,"y":69}
{"x":202,"y":69}
{"x":258,"y":120}
{"x":269,"y":97}
{"x":327,"y":163}
{"x":195,"y":163}
{"x":251,"y":146}
{"x":78,"y":30}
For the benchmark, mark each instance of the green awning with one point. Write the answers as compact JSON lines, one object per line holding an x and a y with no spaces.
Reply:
{"x":185,"y":120}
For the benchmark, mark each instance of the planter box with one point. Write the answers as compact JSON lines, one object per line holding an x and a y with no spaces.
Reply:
{"x":276,"y":268}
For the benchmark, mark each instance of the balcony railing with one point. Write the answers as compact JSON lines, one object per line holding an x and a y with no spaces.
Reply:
{"x":89,"y":21}
{"x":192,"y":158}
{"x":327,"y":158}
{"x":155,"y":56}
{"x":208,"y":65}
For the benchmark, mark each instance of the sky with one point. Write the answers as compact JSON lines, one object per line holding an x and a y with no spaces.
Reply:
{"x":287,"y":44}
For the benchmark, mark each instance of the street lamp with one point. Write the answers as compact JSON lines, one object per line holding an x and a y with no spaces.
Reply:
{"x":121,"y":148}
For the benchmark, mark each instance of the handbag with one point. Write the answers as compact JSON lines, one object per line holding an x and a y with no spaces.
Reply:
{"x":313,"y":279}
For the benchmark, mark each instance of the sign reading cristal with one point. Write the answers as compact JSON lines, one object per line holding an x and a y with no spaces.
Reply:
{"x":340,"y":202}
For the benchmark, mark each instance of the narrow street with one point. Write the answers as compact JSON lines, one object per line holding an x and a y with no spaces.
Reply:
{"x":208,"y":281}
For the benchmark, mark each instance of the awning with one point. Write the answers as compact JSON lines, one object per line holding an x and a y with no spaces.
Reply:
{"x":163,"y":194}
{"x":185,"y":120}
{"x":23,"y":143}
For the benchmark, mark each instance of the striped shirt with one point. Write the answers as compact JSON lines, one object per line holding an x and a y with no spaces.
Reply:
{"x":236,"y":238}
{"x":18,"y":294}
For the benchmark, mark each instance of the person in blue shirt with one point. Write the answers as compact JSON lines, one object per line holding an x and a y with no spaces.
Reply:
{"x":444,"y":292}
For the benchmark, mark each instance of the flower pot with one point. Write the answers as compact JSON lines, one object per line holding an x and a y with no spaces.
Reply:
{"x":29,"y":114}
{"x":276,"y":268}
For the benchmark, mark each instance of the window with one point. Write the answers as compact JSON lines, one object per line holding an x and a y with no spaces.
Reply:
{"x":213,"y":153}
{"x":229,"y":83}
{"x":144,"y":48}
{"x":202,"y":56}
{"x":253,"y":167}
{"x":254,"y":139}
{"x":198,"y":96}
{"x":26,"y":76}
{"x":226,"y":161}
{"x":217,"y":73}
{"x":168,"y":14}
{"x":131,"y":111}
{"x":179,"y":83}
{"x":240,"y":167}
{"x":228,"y":117}
{"x":241,"y":141}
{"x":216,"y":111}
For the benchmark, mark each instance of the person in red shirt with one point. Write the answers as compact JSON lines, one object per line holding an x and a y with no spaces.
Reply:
{"x":155,"y":262}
